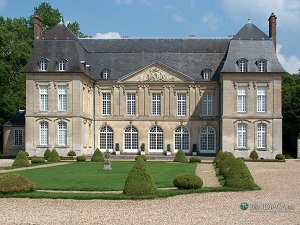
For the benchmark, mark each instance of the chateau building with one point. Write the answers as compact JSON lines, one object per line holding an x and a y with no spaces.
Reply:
{"x":85,"y":93}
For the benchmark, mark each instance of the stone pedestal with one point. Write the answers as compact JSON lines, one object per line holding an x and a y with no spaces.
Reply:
{"x":107,"y":165}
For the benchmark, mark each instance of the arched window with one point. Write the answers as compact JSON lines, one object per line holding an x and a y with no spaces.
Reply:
{"x":62,"y":133}
{"x":242,"y":65}
{"x":131,"y":139}
{"x":43,"y":64}
{"x":261,"y":65}
{"x":156,"y":139}
{"x":261,"y":135}
{"x":44,"y":133}
{"x":208,"y":140}
{"x":106,"y":141}
{"x":182,"y":139}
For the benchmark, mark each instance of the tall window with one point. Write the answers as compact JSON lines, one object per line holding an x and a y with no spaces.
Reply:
{"x":262,"y":65}
{"x":261,"y":135}
{"x":106,"y":104}
{"x":18,"y":137}
{"x":44,"y":133}
{"x":130,"y":103}
{"x":242,"y":65}
{"x":207,"y":139}
{"x":62,"y":65}
{"x":62,"y":98}
{"x":156,"y":104}
{"x":156,"y":139}
{"x":261,"y":99}
{"x":207,"y":105}
{"x":44,"y":97}
{"x":182,"y":139}
{"x":106,"y":138}
{"x":62,"y":133}
{"x":242,"y":99}
{"x":43,"y":64}
{"x":131,"y":139}
{"x":242,"y":135}
{"x":181,"y":104}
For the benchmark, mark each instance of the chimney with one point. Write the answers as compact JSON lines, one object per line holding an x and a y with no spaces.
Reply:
{"x":37,"y":26}
{"x":272,"y":28}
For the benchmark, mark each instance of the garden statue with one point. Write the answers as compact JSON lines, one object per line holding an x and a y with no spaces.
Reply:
{"x":107,"y":165}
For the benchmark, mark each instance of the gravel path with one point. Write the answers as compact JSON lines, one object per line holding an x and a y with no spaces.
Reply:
{"x":280,"y":184}
{"x":207,"y":174}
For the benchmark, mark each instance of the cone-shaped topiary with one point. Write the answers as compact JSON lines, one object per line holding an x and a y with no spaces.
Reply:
{"x":53,"y":157}
{"x":218,"y":156}
{"x":239,"y":176}
{"x":21,"y":159}
{"x":253,"y":155}
{"x":97,"y":156}
{"x":180,"y":157}
{"x":47,"y":153}
{"x":227,"y":162}
{"x":220,"y":159}
{"x":11,"y":183}
{"x":139,"y":180}
{"x":187,"y":181}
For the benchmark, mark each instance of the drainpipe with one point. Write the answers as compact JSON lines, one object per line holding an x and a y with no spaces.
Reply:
{"x":94,"y":111}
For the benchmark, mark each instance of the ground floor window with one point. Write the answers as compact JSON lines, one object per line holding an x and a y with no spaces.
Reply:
{"x":44,"y":133}
{"x":261,"y":135}
{"x":207,"y":139}
{"x":18,"y":137}
{"x":182,"y":138}
{"x":62,"y":133}
{"x":131,"y":138}
{"x":106,"y":138}
{"x":156,"y":139}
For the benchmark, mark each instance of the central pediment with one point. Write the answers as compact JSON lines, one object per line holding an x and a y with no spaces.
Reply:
{"x":156,"y":72}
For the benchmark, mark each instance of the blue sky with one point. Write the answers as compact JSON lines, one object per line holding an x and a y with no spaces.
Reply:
{"x":176,"y":18}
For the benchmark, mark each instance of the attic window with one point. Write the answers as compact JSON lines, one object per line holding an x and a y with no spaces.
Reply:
{"x":43,"y":64}
{"x":206,"y":73}
{"x":242,"y":65}
{"x":62,"y":64}
{"x":261,"y":65}
{"x":105,"y":74}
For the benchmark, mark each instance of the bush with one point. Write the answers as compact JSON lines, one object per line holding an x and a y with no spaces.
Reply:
{"x":187,"y":181}
{"x":253,"y":155}
{"x":141,"y":156}
{"x":71,"y":153}
{"x":21,"y":159}
{"x":280,"y":157}
{"x":180,"y":157}
{"x":26,"y":153}
{"x":97,"y":156}
{"x":37,"y":160}
{"x":47,"y":153}
{"x":11,"y":183}
{"x":226,"y":161}
{"x":195,"y":159}
{"x":239,"y":176}
{"x":139,"y":180}
{"x":53,"y":157}
{"x":218,"y":156}
{"x":81,"y":158}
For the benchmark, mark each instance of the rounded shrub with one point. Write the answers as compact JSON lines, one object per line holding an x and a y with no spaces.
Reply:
{"x":97,"y":156}
{"x":81,"y":158}
{"x":239,"y":176}
{"x":218,"y":156}
{"x":280,"y":157}
{"x":227,"y":161}
{"x":11,"y":183}
{"x":195,"y":159}
{"x":47,"y":153}
{"x":139,"y":180}
{"x":53,"y":157}
{"x":180,"y":157}
{"x":21,"y":159}
{"x":253,"y":155}
{"x":26,"y":153}
{"x":37,"y":160}
{"x":187,"y":181}
{"x":141,"y":156}
{"x":71,"y":153}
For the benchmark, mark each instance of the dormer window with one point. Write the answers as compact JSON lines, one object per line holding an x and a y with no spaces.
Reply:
{"x":261,"y":65}
{"x":242,"y":65}
{"x":62,"y":65}
{"x":105,"y":74}
{"x":43,"y":64}
{"x":206,"y":73}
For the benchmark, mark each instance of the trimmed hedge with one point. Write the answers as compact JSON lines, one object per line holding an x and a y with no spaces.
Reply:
{"x":218,"y":156}
{"x":37,"y":160}
{"x":11,"y":183}
{"x":195,"y":159}
{"x":81,"y":158}
{"x":97,"y":156}
{"x":187,"y":181}
{"x":21,"y":160}
{"x":140,"y":156}
{"x":226,"y":161}
{"x":280,"y":157}
{"x":139,"y":180}
{"x":71,"y":153}
{"x":180,"y":157}
{"x":253,"y":155}
{"x":53,"y":157}
{"x":47,"y":153}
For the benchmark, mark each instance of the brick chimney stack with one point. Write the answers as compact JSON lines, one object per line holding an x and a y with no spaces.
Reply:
{"x":272,"y":28}
{"x":37,"y":26}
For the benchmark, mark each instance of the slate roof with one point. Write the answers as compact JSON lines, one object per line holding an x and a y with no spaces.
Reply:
{"x":189,"y":56}
{"x":17,"y":120}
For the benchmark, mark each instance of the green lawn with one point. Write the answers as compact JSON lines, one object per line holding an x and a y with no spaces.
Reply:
{"x":90,"y":176}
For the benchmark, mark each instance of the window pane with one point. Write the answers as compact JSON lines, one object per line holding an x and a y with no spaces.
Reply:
{"x":156,"y":104}
{"x":106,"y":138}
{"x":181,"y":104}
{"x":207,"y":105}
{"x":43,"y":97}
{"x":62,"y":133}
{"x":261,"y":135}
{"x":131,"y":138}
{"x":130,"y":103}
{"x":242,"y":99}
{"x":44,"y":133}
{"x":182,"y":139}
{"x":156,"y":138}
{"x":242,"y":135}
{"x":62,"y":98}
{"x":106,"y":103}
{"x":261,"y":99}
{"x":207,"y":139}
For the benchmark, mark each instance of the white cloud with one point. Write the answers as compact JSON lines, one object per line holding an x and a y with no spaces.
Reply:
{"x":2,"y":3}
{"x":109,"y":35}
{"x":291,"y":64}
{"x":211,"y":20}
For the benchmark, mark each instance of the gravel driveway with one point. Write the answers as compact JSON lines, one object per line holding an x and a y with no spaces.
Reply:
{"x":277,"y":203}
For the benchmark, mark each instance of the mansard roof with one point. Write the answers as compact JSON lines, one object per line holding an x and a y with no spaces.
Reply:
{"x":17,"y":120}
{"x":250,"y":32}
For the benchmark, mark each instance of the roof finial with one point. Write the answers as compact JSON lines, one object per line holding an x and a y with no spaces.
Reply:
{"x":249,"y":20}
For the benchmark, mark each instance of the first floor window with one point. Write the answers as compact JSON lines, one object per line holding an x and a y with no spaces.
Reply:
{"x":62,"y":98}
{"x":106,"y":138}
{"x":18,"y":137}
{"x":156,"y":104}
{"x":207,"y":139}
{"x":242,"y":99}
{"x":131,"y":138}
{"x":182,"y":138}
{"x":44,"y":133}
{"x":62,"y":133}
{"x":106,"y":104}
{"x":44,"y":97}
{"x":242,"y":135}
{"x":207,"y":105}
{"x":261,"y":135}
{"x":261,"y":99}
{"x":181,"y":104}
{"x":130,"y":103}
{"x":156,"y":138}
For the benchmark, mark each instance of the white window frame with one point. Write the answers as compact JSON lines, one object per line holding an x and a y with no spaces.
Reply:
{"x":62,"y":133}
{"x":62,"y":65}
{"x":18,"y":137}
{"x":44,"y":133}
{"x":156,"y":104}
{"x":242,"y":99}
{"x":106,"y":138}
{"x":105,"y":74}
{"x":261,"y":135}
{"x":43,"y":64}
{"x":131,"y":103}
{"x":206,"y":74}
{"x":243,"y":65}
{"x":242,"y":135}
{"x":43,"y":89}
{"x":62,"y":97}
{"x":207,"y":104}
{"x":181,"y":104}
{"x":261,"y":99}
{"x":207,"y":140}
{"x":106,"y":104}
{"x":156,"y":139}
{"x":131,"y":139}
{"x":182,"y":139}
{"x":262,"y":65}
